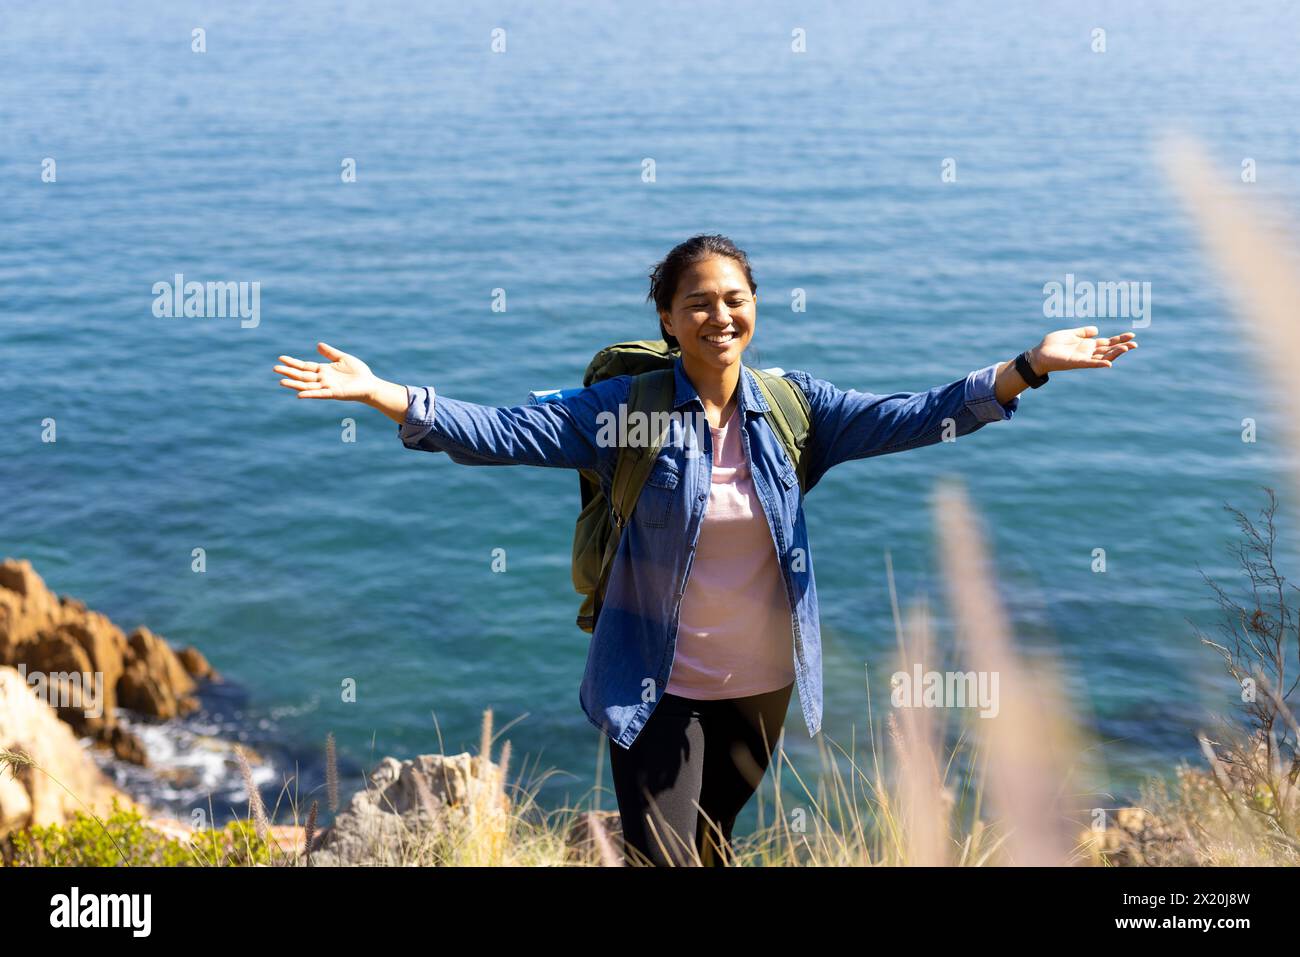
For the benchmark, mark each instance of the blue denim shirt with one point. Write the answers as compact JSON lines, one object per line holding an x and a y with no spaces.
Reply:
{"x":631,"y":652}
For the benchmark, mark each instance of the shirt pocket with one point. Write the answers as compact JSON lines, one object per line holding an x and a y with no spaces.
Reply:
{"x":789,"y":478}
{"x":658,"y":494}
{"x":791,"y":493}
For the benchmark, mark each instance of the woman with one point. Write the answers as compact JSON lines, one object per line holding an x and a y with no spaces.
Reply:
{"x":709,"y":619}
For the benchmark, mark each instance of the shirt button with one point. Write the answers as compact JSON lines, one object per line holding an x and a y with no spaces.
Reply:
{"x":703,"y":496}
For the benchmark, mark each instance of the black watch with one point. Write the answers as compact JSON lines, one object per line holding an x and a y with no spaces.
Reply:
{"x":1032,"y":378}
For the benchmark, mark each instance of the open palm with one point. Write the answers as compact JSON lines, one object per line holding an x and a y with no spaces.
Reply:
{"x":1079,"y":349}
{"x":345,"y":377}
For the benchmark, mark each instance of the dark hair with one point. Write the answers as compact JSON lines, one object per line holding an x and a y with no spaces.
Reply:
{"x":664,"y":277}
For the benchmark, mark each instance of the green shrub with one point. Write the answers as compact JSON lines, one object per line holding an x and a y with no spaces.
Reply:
{"x":123,"y":839}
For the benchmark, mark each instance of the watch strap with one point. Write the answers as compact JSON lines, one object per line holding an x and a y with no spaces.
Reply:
{"x":1032,"y":378}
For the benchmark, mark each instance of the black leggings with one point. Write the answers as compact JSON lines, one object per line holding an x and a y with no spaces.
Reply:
{"x":712,"y":752}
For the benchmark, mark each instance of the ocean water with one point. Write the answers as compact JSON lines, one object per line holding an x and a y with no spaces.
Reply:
{"x":331,"y":563}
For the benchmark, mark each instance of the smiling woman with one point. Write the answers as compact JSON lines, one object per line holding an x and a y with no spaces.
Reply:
{"x":707,"y":300}
{"x":710,"y":616}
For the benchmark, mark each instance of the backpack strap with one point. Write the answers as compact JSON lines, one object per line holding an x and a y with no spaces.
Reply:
{"x":790,"y":416}
{"x":651,"y":392}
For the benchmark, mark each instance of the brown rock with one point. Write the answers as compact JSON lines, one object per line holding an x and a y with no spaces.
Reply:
{"x":141,"y":690}
{"x":90,"y":664}
{"x":407,"y":801}
{"x":26,"y":607}
{"x":53,"y":634}
{"x":60,"y":670}
{"x":104,"y":644}
{"x":30,"y":796}
{"x":126,"y":746}
{"x":197,"y":665}
{"x":161,"y":658}
{"x":163,"y":664}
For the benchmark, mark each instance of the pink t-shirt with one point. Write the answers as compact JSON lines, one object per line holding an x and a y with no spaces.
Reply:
{"x":734,"y":633}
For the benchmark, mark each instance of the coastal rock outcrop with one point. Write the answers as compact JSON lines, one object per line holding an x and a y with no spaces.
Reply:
{"x":406,"y":807}
{"x":85,"y":667}
{"x":406,"y":803}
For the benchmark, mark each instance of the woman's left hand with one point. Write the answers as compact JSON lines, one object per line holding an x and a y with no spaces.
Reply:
{"x":1078,"y":349}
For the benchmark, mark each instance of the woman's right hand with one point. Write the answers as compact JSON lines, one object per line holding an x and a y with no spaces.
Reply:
{"x":346,"y":377}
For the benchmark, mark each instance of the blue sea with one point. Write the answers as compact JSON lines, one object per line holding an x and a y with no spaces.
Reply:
{"x":920,"y":170}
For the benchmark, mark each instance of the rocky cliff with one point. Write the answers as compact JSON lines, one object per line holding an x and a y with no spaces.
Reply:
{"x":64,"y":671}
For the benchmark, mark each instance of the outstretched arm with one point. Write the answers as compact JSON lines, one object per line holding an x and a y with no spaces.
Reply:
{"x":560,"y":433}
{"x":849,"y":424}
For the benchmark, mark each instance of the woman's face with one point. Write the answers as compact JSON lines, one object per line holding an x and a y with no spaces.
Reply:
{"x":712,"y":297}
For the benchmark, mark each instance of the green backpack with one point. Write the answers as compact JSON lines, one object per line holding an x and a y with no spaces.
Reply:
{"x":600,"y":523}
